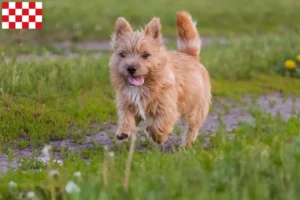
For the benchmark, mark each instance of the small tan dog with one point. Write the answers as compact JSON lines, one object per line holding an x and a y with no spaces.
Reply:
{"x":157,"y":84}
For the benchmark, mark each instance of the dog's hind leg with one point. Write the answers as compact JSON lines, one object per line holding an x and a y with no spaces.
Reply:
{"x":162,"y":124}
{"x":193,"y":125}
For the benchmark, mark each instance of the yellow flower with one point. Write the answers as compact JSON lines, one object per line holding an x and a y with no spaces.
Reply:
{"x":298,"y":57}
{"x":290,"y":64}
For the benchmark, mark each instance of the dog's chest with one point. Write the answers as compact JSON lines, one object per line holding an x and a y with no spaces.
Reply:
{"x":135,"y":95}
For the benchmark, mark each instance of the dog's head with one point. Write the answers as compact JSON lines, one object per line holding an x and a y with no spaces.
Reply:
{"x":137,"y":55}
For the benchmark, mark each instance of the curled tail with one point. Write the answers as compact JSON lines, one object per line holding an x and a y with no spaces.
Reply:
{"x":188,"y":40}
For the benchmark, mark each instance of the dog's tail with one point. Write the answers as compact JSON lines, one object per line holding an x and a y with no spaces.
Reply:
{"x":188,"y":40}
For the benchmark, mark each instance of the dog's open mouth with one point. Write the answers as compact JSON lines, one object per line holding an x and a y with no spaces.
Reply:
{"x":136,"y":80}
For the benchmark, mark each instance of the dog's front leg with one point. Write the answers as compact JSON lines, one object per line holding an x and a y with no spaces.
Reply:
{"x":126,"y":122}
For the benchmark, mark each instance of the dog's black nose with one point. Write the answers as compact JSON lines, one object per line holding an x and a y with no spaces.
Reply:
{"x":131,"y":69}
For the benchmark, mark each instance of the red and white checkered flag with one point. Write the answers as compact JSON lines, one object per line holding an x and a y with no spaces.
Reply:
{"x":22,"y":15}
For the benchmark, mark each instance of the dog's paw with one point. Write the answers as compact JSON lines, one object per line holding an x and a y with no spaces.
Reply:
{"x":122,"y":136}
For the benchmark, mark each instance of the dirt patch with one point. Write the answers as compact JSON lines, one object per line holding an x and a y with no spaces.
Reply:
{"x":226,"y":112}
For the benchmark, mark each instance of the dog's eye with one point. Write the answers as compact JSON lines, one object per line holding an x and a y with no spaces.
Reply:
{"x":122,"y":54}
{"x":145,"y":55}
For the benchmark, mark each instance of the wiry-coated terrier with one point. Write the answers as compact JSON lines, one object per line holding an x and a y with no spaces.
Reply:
{"x":157,"y":84}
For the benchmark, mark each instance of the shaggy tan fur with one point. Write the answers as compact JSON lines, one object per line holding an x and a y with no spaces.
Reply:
{"x":157,"y":84}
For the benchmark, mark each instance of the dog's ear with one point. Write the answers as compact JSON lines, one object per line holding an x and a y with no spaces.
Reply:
{"x":153,"y":29}
{"x":122,"y":27}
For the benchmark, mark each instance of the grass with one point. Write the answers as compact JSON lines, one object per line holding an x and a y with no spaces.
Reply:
{"x":242,"y":59}
{"x":94,"y":19}
{"x":260,"y":162}
{"x":48,"y":100}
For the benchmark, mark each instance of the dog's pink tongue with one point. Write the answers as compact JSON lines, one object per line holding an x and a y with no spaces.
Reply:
{"x":139,"y":80}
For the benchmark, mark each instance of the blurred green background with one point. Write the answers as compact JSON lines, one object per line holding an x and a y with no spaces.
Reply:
{"x":94,"y":19}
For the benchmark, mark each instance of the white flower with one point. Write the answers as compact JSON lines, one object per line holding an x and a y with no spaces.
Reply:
{"x":12,"y":184}
{"x":43,"y":159}
{"x":30,"y":195}
{"x":46,"y":151}
{"x":71,"y":187}
{"x":111,"y":154}
{"x":46,"y":159}
{"x":77,"y":174}
{"x":53,"y":173}
{"x":60,"y":162}
{"x":105,"y":147}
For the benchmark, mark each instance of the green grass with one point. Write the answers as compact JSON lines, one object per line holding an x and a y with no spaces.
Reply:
{"x":47,"y":100}
{"x":260,"y":162}
{"x":94,"y":19}
{"x":242,"y":59}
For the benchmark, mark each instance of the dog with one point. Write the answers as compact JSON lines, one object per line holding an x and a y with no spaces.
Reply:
{"x":156,"y":84}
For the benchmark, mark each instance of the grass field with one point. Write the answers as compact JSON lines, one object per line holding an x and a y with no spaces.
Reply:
{"x":249,"y":147}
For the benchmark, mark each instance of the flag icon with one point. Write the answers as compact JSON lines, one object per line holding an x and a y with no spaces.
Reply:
{"x":22,"y":15}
